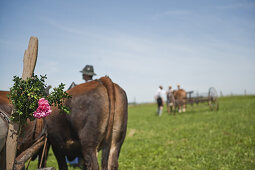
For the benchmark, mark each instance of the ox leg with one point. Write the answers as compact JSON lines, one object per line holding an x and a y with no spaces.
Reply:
{"x":117,"y":141}
{"x":179,"y":109}
{"x":105,"y":156}
{"x":118,"y":137}
{"x":60,"y":158}
{"x":184,"y":108}
{"x":90,"y":158}
{"x":173,"y":109}
{"x":113,"y":157}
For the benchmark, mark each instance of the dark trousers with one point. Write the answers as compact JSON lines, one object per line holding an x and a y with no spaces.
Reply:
{"x":159,"y":101}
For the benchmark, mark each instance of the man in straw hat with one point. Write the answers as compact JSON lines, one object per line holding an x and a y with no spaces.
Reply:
{"x":88,"y":73}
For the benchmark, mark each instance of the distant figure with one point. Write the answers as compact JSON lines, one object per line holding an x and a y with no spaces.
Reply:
{"x":178,"y":87}
{"x":87,"y":75}
{"x":170,"y":100}
{"x":159,"y":97}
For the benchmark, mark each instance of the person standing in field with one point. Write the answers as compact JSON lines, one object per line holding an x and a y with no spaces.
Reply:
{"x":170,"y":99}
{"x":159,"y":97}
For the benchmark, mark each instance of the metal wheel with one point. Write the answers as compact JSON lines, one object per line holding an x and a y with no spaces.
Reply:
{"x":213,"y":99}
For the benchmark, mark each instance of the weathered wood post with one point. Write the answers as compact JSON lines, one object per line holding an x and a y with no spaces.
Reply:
{"x":29,"y":63}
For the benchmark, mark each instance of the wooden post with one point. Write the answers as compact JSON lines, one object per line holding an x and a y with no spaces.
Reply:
{"x":29,"y":63}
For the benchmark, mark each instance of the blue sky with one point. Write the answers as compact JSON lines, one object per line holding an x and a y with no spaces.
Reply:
{"x":139,"y":44}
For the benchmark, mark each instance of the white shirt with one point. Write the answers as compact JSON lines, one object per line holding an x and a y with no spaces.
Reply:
{"x":160,"y":93}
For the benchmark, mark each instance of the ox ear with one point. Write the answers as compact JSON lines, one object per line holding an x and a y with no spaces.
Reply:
{"x":47,"y":89}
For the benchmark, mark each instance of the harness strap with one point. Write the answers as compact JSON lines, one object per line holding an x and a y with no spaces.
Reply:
{"x":5,"y":116}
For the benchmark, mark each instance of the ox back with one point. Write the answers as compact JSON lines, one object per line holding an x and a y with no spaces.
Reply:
{"x":98,"y":121}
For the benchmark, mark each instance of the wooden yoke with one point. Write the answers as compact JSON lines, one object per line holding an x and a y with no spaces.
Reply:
{"x":30,"y":58}
{"x":29,"y":63}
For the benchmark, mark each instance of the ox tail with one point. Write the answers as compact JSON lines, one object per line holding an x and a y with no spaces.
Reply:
{"x":107,"y":82}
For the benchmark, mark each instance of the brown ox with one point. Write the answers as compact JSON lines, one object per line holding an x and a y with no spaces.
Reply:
{"x":7,"y":108}
{"x":180,"y":100}
{"x":98,"y":120}
{"x":32,"y":131}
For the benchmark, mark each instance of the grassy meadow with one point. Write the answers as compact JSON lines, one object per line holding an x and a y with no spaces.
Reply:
{"x":196,"y":139}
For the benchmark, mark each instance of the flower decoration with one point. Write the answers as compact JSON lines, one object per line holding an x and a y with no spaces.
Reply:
{"x":30,"y":100}
{"x":43,"y":109}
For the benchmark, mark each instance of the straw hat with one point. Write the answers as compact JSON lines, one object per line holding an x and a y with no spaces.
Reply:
{"x":88,"y":70}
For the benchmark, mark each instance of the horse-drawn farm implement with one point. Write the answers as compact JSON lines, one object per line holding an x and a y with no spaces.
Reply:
{"x":211,"y":98}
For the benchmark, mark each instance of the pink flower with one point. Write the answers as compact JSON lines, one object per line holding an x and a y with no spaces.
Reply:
{"x":43,"y":109}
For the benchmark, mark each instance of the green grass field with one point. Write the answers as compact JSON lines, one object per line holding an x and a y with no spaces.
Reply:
{"x":197,"y":139}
